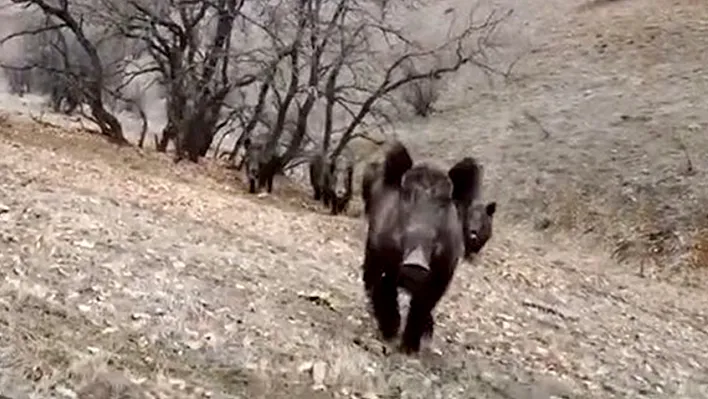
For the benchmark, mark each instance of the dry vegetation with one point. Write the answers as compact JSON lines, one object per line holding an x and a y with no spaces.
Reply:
{"x":124,"y":273}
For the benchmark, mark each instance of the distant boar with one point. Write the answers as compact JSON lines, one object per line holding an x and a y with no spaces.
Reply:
{"x":340,"y":181}
{"x":371,"y":172}
{"x":257,"y":162}
{"x":332,"y":182}
{"x":415,"y":230}
{"x":317,"y":175}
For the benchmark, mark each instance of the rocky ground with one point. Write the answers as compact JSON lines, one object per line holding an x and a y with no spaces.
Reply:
{"x":123,"y":273}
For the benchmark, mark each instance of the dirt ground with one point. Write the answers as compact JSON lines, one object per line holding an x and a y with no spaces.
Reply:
{"x":124,"y":274}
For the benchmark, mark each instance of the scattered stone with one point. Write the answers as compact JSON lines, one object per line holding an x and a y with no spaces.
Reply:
{"x":109,"y":330}
{"x":178,"y":383}
{"x":542,"y":223}
{"x":84,"y":244}
{"x":111,"y":385}
{"x":319,"y":371}
{"x":64,"y":392}
{"x":139,"y":316}
{"x":305,"y":367}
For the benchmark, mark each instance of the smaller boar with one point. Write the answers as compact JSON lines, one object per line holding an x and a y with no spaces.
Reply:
{"x":332,"y":182}
{"x":257,"y":162}
{"x":476,"y":217}
{"x":339,"y":184}
{"x":477,"y":221}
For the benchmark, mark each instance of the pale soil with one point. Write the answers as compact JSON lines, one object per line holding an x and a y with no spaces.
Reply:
{"x":119,"y":261}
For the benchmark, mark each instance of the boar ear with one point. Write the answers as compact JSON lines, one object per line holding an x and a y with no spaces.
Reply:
{"x":466,"y":177}
{"x":397,"y":162}
{"x":247,"y":143}
{"x":491,"y":208}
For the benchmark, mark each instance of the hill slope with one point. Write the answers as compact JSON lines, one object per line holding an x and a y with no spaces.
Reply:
{"x":118,"y":261}
{"x":602,"y":130}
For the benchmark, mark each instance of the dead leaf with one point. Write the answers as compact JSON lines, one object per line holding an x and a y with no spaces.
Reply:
{"x":139,"y":316}
{"x":305,"y":367}
{"x":318,"y":298}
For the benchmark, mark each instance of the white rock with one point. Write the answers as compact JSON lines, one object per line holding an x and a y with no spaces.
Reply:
{"x":319,"y":371}
{"x":64,"y":392}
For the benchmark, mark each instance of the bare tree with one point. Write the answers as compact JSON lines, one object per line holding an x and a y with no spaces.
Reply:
{"x":190,"y":45}
{"x":87,"y":82}
{"x":420,"y":94}
{"x":296,"y":71}
{"x":353,"y":60}
{"x":349,"y":59}
{"x":359,"y":95}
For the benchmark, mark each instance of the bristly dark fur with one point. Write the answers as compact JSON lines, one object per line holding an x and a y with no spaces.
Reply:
{"x":397,"y":162}
{"x":341,"y":176}
{"x":325,"y":176}
{"x":411,"y":211}
{"x":317,"y":175}
{"x":477,"y":218}
{"x":477,"y":223}
{"x":466,"y":176}
{"x":257,"y":165}
{"x":371,"y":172}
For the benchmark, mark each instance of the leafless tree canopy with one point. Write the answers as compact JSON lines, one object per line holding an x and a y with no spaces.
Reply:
{"x":295,"y":71}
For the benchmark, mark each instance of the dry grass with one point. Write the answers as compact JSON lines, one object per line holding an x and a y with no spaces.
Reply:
{"x":699,"y":255}
{"x":185,"y":288}
{"x":123,"y":272}
{"x":595,"y":132}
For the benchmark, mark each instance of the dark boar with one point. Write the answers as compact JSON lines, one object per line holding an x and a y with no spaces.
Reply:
{"x":257,"y":162}
{"x":477,"y":218}
{"x":332,"y":182}
{"x":339,"y":183}
{"x":415,"y":229}
{"x":477,"y":226}
{"x":317,"y":175}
